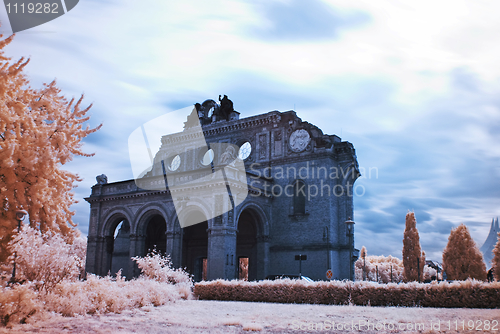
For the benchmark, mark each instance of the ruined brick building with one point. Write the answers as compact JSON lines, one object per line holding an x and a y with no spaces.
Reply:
{"x":292,"y":198}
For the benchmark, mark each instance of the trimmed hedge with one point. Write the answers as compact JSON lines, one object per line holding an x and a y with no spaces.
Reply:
{"x":469,"y":294}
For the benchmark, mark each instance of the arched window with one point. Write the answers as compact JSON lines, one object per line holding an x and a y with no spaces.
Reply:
{"x":299,"y":198}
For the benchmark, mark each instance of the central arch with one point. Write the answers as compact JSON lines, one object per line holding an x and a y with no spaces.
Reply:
{"x":150,"y":231}
{"x":195,"y":246}
{"x":156,"y":238}
{"x":247,"y":245}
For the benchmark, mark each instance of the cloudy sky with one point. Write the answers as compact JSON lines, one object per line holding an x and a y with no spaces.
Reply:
{"x":413,"y":85}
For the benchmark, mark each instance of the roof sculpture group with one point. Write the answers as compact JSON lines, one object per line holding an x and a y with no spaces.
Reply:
{"x":210,"y":111}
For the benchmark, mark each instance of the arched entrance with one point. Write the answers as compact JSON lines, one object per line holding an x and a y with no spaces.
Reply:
{"x":156,"y":238}
{"x":121,"y":249}
{"x":246,"y":246}
{"x":117,"y":248}
{"x":195,"y":247}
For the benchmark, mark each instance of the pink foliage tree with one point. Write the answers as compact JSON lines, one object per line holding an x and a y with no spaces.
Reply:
{"x":40,"y":131}
{"x":496,"y":259}
{"x":461,"y":257}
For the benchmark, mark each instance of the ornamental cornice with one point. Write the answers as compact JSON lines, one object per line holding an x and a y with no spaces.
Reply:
{"x":250,"y":122}
{"x":220,"y":127}
{"x":93,"y":199}
{"x":190,"y":188}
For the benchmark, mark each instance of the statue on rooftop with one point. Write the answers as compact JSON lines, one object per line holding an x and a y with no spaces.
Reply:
{"x":226,"y":108}
{"x":210,"y":111}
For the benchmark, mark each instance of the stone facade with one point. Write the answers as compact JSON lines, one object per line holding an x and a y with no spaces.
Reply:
{"x":300,"y":183}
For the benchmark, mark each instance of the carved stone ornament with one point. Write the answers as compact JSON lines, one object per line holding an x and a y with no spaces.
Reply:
{"x":299,"y":139}
{"x":101,"y":179}
{"x":228,"y":156}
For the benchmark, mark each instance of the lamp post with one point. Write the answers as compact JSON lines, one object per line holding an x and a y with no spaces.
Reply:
{"x":20,"y":214}
{"x":326,"y":237}
{"x":350,"y":232}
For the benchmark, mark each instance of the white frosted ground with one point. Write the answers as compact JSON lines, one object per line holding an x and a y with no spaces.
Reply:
{"x":193,"y":316}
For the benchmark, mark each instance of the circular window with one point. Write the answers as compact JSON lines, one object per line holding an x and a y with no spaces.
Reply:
{"x":208,"y":157}
{"x":245,"y":151}
{"x":175,"y":163}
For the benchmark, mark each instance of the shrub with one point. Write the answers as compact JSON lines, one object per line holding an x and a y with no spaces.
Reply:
{"x":470,"y":293}
{"x":50,"y":270}
{"x":46,"y":259}
{"x":159,"y":268}
{"x":99,"y":295}
{"x":384,"y":264}
{"x":17,"y":303}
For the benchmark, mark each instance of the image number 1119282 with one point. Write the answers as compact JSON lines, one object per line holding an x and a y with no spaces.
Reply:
{"x":24,"y":15}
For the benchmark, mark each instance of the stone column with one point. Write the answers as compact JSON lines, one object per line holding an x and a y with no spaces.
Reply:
{"x":221,"y":260}
{"x":100,"y":250}
{"x":263,"y":243}
{"x":90,"y":262}
{"x":174,"y":248}
{"x":107,"y":254}
{"x":137,"y":244}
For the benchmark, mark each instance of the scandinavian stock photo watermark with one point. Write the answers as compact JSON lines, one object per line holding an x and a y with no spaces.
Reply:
{"x":384,"y":326}
{"x":170,"y":153}
{"x":219,"y":182}
{"x":313,"y":180}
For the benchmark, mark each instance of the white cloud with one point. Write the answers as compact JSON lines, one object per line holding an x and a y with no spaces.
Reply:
{"x":413,"y":87}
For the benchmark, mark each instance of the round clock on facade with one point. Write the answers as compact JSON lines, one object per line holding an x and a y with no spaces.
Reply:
{"x":299,"y":139}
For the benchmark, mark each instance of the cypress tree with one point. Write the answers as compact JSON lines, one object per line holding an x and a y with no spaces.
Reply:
{"x":413,"y":258}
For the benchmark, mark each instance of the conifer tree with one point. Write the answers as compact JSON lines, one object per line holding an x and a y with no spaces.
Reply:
{"x":496,"y":259}
{"x":413,"y":258}
{"x":363,"y":257}
{"x":39,"y":132}
{"x":461,"y":257}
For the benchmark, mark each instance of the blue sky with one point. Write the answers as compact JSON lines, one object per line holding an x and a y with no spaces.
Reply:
{"x":414,"y":86}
